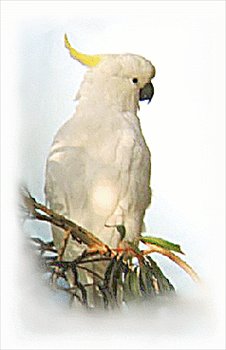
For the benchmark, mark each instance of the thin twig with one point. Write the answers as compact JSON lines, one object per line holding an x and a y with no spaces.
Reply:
{"x":90,"y":271}
{"x":95,"y":260}
{"x":156,"y":249}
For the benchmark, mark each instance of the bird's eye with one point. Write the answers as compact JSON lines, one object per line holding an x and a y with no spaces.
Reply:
{"x":135,"y":80}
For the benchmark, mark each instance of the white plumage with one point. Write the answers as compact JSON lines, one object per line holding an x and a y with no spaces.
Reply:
{"x":98,"y":169}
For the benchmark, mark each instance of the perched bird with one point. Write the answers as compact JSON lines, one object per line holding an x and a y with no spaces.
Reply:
{"x":98,"y":170}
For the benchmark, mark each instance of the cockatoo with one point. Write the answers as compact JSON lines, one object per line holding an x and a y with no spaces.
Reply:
{"x":99,"y":166}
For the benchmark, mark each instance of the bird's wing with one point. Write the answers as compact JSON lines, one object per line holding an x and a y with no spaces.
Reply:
{"x":64,"y":187}
{"x":95,"y":184}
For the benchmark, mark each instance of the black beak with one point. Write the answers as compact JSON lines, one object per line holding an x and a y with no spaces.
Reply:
{"x":147,"y":92}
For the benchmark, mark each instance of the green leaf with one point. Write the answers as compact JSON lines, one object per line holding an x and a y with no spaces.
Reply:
{"x":134,"y":283}
{"x":162,"y":243}
{"x":163,"y":282}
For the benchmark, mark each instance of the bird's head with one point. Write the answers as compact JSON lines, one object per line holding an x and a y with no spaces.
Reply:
{"x":120,"y":80}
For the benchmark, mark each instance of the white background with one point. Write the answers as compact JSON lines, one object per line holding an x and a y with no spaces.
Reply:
{"x":184,"y":128}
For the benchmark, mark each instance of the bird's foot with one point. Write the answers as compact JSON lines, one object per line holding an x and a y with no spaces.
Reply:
{"x":129,"y":249}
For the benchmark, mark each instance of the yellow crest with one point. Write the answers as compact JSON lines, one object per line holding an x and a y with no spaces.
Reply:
{"x":88,"y":60}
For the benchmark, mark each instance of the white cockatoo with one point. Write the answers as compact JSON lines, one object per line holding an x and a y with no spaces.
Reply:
{"x":98,"y":170}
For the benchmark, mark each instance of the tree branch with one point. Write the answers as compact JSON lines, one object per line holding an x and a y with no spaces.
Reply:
{"x":122,"y":279}
{"x":36,"y":210}
{"x":176,"y":259}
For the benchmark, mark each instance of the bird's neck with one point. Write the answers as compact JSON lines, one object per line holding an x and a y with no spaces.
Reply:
{"x":119,"y":104}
